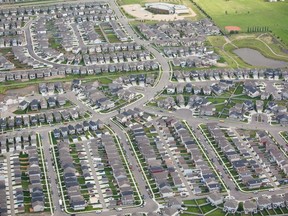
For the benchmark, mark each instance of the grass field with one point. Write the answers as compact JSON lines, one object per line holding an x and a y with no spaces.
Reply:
{"x":248,"y":13}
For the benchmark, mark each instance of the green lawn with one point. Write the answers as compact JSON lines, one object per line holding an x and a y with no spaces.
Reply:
{"x":190,"y":202}
{"x":207,"y":208}
{"x":193,"y":209}
{"x":201,"y":201}
{"x":217,"y":212}
{"x":247,"y":13}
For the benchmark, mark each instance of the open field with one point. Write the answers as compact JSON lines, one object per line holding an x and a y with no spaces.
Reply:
{"x":247,"y":13}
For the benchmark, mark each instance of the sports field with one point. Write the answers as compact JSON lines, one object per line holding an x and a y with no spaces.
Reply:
{"x":249,"y":13}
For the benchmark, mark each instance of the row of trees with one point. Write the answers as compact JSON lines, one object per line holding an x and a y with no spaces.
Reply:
{"x":258,"y":29}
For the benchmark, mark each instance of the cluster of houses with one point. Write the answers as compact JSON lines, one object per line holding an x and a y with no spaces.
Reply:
{"x":16,"y":183}
{"x":73,"y":189}
{"x":198,"y":105}
{"x":239,"y":110}
{"x":35,"y":105}
{"x":112,"y":158}
{"x":275,"y":153}
{"x":127,"y":116}
{"x":5,"y":64}
{"x":230,"y":74}
{"x":88,"y":33}
{"x":17,"y":142}
{"x":101,"y":99}
{"x":93,"y":9}
{"x":120,"y":34}
{"x":183,"y":41}
{"x":174,"y":132}
{"x":11,"y":33}
{"x":41,"y":118}
{"x":3,"y":188}
{"x":155,"y":159}
{"x":21,"y":54}
{"x":10,"y":1}
{"x":178,"y":33}
{"x":133,"y":79}
{"x":249,"y":171}
{"x":250,"y":206}
{"x":118,"y":170}
{"x":196,"y":62}
{"x":79,"y":128}
{"x":35,"y":177}
{"x":45,"y":29}
{"x":77,"y":70}
{"x":50,"y":88}
{"x":216,"y":88}
{"x":48,"y":28}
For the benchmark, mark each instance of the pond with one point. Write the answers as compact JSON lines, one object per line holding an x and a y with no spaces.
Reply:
{"x":255,"y":58}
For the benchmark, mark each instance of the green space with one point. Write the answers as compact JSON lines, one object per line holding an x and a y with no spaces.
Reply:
{"x":248,"y":14}
{"x":217,"y":212}
{"x":259,"y":45}
{"x":112,"y":38}
{"x":207,"y":208}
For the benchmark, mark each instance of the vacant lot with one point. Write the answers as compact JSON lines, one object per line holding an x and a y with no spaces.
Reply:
{"x":249,"y":13}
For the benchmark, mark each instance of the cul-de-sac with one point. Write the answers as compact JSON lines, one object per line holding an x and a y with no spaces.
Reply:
{"x":143,"y":107}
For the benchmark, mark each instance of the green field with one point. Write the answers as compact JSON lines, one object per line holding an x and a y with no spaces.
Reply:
{"x":249,"y":13}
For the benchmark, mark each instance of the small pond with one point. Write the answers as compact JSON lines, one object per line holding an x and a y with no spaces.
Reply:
{"x":255,"y":58}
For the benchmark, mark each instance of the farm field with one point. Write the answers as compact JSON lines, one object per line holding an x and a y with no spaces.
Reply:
{"x":247,"y":13}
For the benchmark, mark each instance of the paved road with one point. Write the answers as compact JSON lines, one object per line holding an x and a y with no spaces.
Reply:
{"x":51,"y":172}
{"x":94,"y":174}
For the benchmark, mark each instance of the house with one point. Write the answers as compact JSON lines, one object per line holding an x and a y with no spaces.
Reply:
{"x":230,"y":206}
{"x":215,"y":199}
{"x":174,"y":203}
{"x":71,"y":129}
{"x":49,"y":117}
{"x":250,"y":206}
{"x":34,"y":105}
{"x":23,"y":105}
{"x":56,"y":133}
{"x":277,"y":201}
{"x":61,"y":101}
{"x":38,"y":206}
{"x":93,"y":125}
{"x":251,"y":90}
{"x":254,"y":183}
{"x":264,"y":202}
{"x":43,"y":104}
{"x":170,"y":89}
{"x":51,"y":102}
{"x":57,"y":117}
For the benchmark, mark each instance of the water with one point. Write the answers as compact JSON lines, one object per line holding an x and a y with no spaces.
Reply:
{"x":255,"y":58}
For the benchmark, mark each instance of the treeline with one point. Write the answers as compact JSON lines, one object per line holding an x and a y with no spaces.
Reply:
{"x":258,"y":29}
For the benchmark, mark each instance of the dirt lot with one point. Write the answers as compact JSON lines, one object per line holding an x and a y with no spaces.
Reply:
{"x":137,"y":11}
